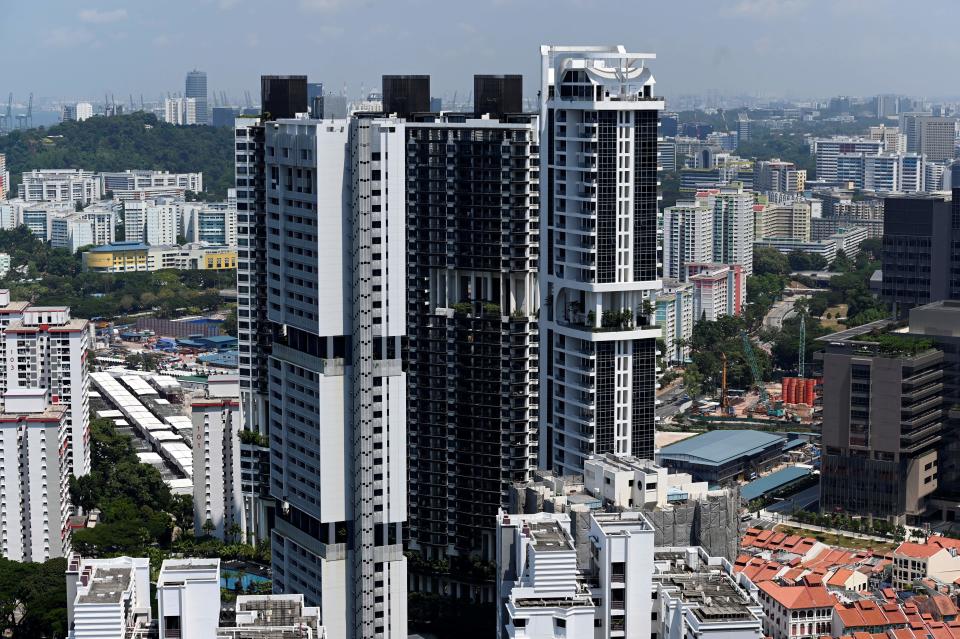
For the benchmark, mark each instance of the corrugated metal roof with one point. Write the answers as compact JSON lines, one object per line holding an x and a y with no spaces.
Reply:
{"x":773,"y":481}
{"x":718,"y":447}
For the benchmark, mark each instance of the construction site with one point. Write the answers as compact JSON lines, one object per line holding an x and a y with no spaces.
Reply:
{"x":792,"y":400}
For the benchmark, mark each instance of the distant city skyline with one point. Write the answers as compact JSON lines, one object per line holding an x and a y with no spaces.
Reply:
{"x":788,"y":48}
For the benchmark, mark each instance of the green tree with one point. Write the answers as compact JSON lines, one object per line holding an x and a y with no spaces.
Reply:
{"x":841,"y":262}
{"x":134,"y":141}
{"x":770,"y":261}
{"x":804,"y":261}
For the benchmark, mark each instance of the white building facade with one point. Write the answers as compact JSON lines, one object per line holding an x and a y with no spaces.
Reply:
{"x":217,"y":493}
{"x":601,"y":271}
{"x":687,"y":237}
{"x":34,"y":476}
{"x":60,"y":185}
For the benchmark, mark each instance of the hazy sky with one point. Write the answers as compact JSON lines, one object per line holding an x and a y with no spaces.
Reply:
{"x":770,"y":47}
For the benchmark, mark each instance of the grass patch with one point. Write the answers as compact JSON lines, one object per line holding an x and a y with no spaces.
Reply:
{"x":841,"y":541}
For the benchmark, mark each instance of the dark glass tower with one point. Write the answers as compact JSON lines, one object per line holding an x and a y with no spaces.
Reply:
{"x":196,"y":87}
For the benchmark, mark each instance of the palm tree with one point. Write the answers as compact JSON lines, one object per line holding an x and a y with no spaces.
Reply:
{"x":234,"y":531}
{"x":208,"y":528}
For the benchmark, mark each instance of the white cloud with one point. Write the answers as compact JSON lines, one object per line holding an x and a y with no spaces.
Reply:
{"x":96,"y":16}
{"x":768,"y":8}
{"x":62,"y":37}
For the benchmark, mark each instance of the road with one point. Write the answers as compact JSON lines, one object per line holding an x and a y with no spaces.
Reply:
{"x":669,"y":403}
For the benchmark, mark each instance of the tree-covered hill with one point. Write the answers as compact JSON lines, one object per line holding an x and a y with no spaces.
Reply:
{"x":135,"y":141}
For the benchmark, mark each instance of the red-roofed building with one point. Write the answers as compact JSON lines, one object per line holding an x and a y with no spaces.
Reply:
{"x":796,"y":612}
{"x":931,"y":560}
{"x":847,"y":579}
{"x":867,"y":616}
{"x":756,"y":569}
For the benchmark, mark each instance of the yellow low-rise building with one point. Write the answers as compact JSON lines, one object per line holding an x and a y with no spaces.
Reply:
{"x":136,"y":257}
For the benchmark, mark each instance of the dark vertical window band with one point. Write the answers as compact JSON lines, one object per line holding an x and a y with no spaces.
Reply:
{"x":642,"y":398}
{"x":645,"y":196}
{"x":549,"y":164}
{"x":607,"y":197}
{"x":606,"y":396}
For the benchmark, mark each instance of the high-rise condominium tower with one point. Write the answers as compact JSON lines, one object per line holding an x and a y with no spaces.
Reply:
{"x":324,"y":277}
{"x":601,"y":271}
{"x":196,"y":87}
{"x":472,"y":300}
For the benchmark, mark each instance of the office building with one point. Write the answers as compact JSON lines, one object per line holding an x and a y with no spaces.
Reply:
{"x":137,"y":257}
{"x":77,"y":112}
{"x":675,"y":316}
{"x":329,"y":197}
{"x":39,"y":218}
{"x":931,"y":136}
{"x":180,"y":111}
{"x":71,"y":232}
{"x":687,"y":237}
{"x":824,"y":227}
{"x":884,"y":414}
{"x":4,"y":264}
{"x":726,"y":141}
{"x":597,"y":574}
{"x":667,"y":150}
{"x":921,"y":235}
{"x":893,"y":140}
{"x":829,"y":151}
{"x":196,"y":88}
{"x":147,"y":185}
{"x":600,"y":275}
{"x":213,"y":225}
{"x":778,"y":175}
{"x":217,"y":490}
{"x":732,"y":226}
{"x":35,"y":476}
{"x":107,"y":598}
{"x":472,"y":299}
{"x":60,"y":185}
{"x":744,"y":128}
{"x":315,"y":100}
{"x":936,"y":177}
{"x":791,"y":220}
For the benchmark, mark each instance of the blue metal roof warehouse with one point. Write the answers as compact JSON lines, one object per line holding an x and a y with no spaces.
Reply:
{"x":722,"y":456}
{"x":774,"y":481}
